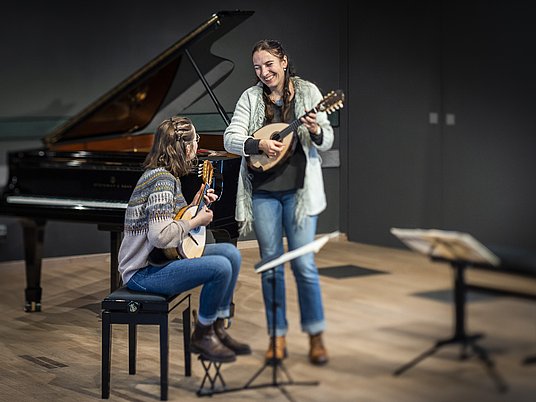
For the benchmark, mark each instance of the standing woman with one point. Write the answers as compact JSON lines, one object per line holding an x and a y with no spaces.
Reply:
{"x":288,"y":197}
{"x":150,"y":224}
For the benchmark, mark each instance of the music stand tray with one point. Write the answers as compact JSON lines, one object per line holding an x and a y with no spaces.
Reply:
{"x":460,"y":250}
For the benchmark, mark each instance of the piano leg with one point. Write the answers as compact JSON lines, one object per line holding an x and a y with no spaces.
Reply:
{"x":116,"y":235}
{"x":33,"y":235}
{"x":115,"y":244}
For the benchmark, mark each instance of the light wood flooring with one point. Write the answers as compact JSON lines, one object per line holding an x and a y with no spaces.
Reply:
{"x":376,"y":323}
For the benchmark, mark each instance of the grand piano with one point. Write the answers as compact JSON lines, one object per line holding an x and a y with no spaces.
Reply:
{"x":89,"y":166}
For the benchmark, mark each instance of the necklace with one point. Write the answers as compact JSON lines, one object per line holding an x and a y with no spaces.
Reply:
{"x":278,"y":102}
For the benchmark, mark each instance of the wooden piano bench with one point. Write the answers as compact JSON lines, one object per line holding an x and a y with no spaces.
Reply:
{"x":124,"y":306}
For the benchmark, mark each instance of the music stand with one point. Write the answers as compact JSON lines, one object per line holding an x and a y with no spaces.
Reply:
{"x":267,"y":265}
{"x":460,"y":250}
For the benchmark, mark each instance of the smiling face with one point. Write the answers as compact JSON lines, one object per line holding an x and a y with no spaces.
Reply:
{"x":270,"y":70}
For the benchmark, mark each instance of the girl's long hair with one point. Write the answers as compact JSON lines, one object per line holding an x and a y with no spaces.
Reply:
{"x":275,"y":48}
{"x":169,"y":146}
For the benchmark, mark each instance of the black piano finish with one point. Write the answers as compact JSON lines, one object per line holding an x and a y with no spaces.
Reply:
{"x":90,"y":165}
{"x":85,"y":176}
{"x":107,"y":178}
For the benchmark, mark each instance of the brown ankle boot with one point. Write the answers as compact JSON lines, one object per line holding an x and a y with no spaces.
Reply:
{"x":206,"y":343}
{"x":280,"y":349}
{"x":318,"y":355}
{"x":238,"y":347}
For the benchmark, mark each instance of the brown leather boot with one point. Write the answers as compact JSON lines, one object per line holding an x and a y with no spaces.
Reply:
{"x":206,"y":343}
{"x":280,"y":349}
{"x":318,"y":355}
{"x":238,"y":347}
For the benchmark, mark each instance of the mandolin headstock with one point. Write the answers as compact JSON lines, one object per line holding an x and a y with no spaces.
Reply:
{"x":206,"y":171}
{"x":334,"y":100}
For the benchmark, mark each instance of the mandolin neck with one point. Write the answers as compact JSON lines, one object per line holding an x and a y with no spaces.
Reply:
{"x":202,"y":202}
{"x":294,"y":125}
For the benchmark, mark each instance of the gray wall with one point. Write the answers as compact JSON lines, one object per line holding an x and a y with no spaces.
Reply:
{"x":59,"y":56}
{"x":400,"y":63}
{"x":442,"y":119}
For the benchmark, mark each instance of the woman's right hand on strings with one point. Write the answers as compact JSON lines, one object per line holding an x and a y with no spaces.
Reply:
{"x":203,"y":218}
{"x":271,"y":148}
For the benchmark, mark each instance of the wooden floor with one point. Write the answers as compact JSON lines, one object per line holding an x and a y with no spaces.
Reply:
{"x":382,"y":312}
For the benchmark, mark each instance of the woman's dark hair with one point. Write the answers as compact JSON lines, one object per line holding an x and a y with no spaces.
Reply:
{"x":169,"y":146}
{"x":275,"y":48}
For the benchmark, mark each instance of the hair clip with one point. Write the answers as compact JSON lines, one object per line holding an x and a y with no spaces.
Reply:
{"x":175,"y":129}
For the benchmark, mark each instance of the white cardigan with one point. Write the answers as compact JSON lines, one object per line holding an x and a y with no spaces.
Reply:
{"x":248,"y":117}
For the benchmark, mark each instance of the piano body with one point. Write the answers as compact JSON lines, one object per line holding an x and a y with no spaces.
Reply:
{"x":89,"y":166}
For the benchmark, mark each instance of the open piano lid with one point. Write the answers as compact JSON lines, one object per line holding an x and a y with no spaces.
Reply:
{"x":170,"y":77}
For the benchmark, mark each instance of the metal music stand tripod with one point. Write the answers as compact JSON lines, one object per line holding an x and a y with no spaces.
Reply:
{"x":271,"y":265}
{"x":459,"y":335}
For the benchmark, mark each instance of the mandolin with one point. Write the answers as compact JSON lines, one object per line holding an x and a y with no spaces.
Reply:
{"x":193,"y":245}
{"x":281,"y":132}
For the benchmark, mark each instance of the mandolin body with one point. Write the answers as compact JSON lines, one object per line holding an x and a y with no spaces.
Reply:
{"x":263,"y":163}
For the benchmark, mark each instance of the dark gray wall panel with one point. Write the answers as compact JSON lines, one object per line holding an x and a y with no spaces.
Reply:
{"x":489,"y":153}
{"x":393,"y":85}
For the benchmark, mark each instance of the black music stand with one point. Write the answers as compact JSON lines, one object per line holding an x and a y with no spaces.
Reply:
{"x":460,"y":250}
{"x":270,"y":265}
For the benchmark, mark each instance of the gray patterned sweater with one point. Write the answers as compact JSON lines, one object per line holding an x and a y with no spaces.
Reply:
{"x":155,"y":201}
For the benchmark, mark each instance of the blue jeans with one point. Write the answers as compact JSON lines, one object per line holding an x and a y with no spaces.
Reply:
{"x":273,"y":211}
{"x":217,"y":270}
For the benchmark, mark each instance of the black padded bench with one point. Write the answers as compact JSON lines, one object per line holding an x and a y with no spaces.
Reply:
{"x":124,"y":306}
{"x":514,"y":261}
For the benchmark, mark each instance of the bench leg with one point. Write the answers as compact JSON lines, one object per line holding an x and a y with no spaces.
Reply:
{"x":132,"y":348}
{"x":164,"y":357}
{"x":106,"y":354}
{"x":187,"y":337}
